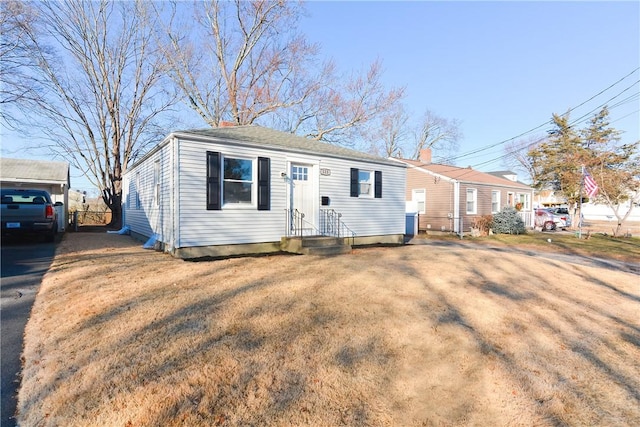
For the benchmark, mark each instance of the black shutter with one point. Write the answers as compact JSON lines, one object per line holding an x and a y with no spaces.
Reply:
{"x":264,"y":184}
{"x":378,"y":184}
{"x":213,"y":181}
{"x":354,"y":182}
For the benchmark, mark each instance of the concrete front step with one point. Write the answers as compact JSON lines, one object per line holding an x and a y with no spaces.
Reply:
{"x":316,"y":245}
{"x":318,"y":241}
{"x":326,"y":250}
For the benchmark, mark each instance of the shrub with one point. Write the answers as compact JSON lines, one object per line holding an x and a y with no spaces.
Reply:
{"x":508,"y":222}
{"x":483,"y":223}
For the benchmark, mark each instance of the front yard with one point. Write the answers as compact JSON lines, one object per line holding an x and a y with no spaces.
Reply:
{"x":435,"y":334}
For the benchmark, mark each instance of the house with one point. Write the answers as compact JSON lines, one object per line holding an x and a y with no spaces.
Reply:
{"x":52,"y":177}
{"x":450,"y":198}
{"x":246,"y":189}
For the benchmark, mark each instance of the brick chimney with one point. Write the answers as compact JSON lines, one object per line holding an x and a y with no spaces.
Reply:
{"x":425,"y":155}
{"x":224,"y":124}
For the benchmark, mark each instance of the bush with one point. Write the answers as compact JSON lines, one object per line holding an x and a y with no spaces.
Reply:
{"x":508,"y":222}
{"x":483,"y":224}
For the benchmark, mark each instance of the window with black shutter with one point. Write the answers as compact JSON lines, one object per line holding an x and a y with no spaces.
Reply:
{"x":354,"y":182}
{"x":213,"y":181}
{"x":378,"y":185}
{"x":264,"y":184}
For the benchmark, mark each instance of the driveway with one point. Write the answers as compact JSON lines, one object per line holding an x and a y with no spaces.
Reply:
{"x":23,"y":267}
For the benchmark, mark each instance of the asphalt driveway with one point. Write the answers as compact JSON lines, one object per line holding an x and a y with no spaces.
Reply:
{"x":24,"y":264}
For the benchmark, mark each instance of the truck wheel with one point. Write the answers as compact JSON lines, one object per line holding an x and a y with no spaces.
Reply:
{"x":50,"y":237}
{"x":549,"y":226}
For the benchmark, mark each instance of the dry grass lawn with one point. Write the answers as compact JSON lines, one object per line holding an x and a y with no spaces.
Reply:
{"x":430,"y":335}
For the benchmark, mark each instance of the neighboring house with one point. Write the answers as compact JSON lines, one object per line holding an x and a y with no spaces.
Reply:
{"x":42,"y":175}
{"x":240,"y":190}
{"x":450,"y":198}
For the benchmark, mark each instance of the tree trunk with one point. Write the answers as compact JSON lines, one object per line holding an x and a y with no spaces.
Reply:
{"x":116,"y":211}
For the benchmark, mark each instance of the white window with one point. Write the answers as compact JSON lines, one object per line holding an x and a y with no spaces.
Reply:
{"x":495,"y":201}
{"x":419,"y":199}
{"x":237,"y":185}
{"x":365,"y":183}
{"x":525,"y":200}
{"x":471,"y":200}
{"x":300,"y":173}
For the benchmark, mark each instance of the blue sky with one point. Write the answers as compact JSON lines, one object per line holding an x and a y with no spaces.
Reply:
{"x":501,"y":68}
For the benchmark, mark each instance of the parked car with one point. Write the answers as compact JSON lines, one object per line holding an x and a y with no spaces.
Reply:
{"x":561,"y":217}
{"x":547,"y":219}
{"x":25,"y":211}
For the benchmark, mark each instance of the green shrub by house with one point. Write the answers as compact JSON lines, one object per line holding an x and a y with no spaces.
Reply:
{"x":508,"y":222}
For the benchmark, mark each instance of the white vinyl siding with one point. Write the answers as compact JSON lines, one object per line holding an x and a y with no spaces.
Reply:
{"x":184,"y":221}
{"x":148,"y":195}
{"x":200,"y":227}
{"x":366,"y":216}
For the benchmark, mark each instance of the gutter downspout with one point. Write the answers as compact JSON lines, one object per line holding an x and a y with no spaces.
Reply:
{"x":456,"y":208}
{"x":175,"y":197}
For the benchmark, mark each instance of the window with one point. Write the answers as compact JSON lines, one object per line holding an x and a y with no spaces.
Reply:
{"x":525,"y":201}
{"x":232,"y":181}
{"x":495,"y":201}
{"x":471,"y":200}
{"x":300,"y":173}
{"x":237,"y":181}
{"x":418,"y":196}
{"x":366,"y":183}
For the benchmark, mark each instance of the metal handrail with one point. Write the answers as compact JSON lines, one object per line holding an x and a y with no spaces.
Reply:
{"x":296,"y":223}
{"x":330,"y":224}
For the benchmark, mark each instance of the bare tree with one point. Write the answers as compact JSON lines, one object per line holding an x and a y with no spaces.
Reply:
{"x":516,"y":156}
{"x":244,"y":62}
{"x":438,"y":133}
{"x":18,"y":83}
{"x":390,"y":137}
{"x":103,"y":93}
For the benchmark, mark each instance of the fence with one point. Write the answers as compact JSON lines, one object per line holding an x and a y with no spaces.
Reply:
{"x":459,"y":225}
{"x":90,"y":218}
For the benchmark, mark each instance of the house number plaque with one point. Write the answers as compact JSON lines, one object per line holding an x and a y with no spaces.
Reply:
{"x":325,"y":172}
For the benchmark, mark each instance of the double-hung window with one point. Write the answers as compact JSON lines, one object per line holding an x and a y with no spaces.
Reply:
{"x":419,"y":199}
{"x":471,"y":200}
{"x":495,"y":201}
{"x":366,"y":183}
{"x":237,"y":183}
{"x":525,"y":200}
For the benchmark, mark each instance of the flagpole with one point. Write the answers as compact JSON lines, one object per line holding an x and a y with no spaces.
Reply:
{"x":580,"y":204}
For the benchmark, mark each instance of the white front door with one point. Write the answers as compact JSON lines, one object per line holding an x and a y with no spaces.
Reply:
{"x":303,"y":196}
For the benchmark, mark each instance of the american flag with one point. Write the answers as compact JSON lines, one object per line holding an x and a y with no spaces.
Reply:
{"x":590,"y":185}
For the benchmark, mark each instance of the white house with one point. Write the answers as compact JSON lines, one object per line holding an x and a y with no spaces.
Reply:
{"x":241,"y":190}
{"x":50,"y":176}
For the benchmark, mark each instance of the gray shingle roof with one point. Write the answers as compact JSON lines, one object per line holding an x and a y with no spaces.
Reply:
{"x":34,"y":170}
{"x":270,"y":138}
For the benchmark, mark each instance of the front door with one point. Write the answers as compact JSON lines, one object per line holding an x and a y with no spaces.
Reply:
{"x":303,"y":196}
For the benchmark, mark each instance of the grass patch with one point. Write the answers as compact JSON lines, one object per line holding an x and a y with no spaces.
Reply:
{"x":419,"y":335}
{"x":596,"y":246}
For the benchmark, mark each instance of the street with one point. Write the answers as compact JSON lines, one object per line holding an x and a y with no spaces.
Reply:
{"x":24,"y":263}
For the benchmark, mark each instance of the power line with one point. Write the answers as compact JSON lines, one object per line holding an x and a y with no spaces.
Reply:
{"x":470,"y":153}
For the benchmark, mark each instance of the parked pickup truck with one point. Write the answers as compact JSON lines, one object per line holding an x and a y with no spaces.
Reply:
{"x":25,"y":211}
